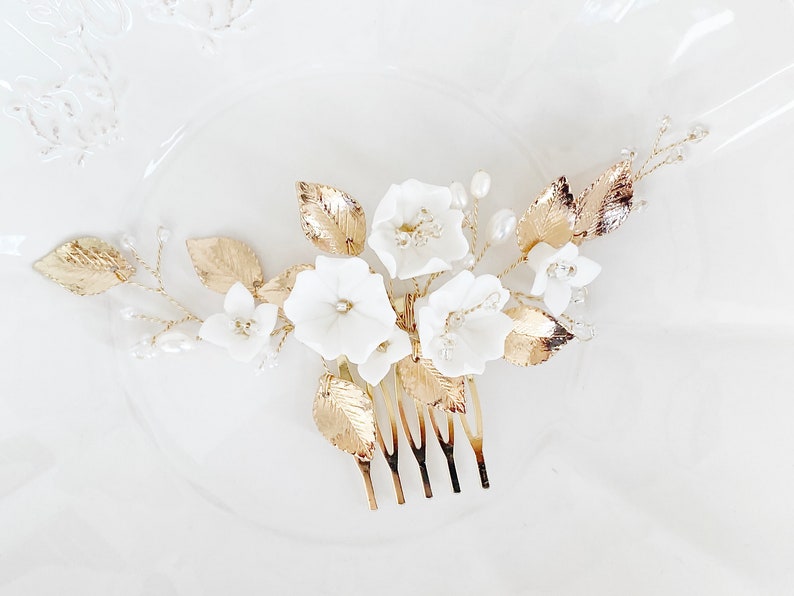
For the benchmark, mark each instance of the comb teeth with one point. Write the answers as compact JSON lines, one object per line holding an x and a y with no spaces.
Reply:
{"x":389,"y":442}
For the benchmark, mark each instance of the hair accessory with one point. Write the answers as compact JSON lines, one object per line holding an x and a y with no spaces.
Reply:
{"x":413,"y":344}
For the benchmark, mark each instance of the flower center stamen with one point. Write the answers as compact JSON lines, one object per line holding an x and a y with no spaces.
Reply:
{"x":344,"y":306}
{"x":245,"y":327}
{"x":418,"y":234}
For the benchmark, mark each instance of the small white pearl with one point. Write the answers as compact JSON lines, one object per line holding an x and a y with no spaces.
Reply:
{"x":460,"y":198}
{"x":501,"y":226}
{"x":174,"y":342}
{"x":480,"y":184}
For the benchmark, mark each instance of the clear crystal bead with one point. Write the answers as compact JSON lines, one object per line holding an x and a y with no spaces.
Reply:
{"x":163,"y":234}
{"x":491,"y":302}
{"x":698,"y":133}
{"x":628,"y":153}
{"x":664,"y":123}
{"x":561,"y":271}
{"x":639,"y":206}
{"x":127,"y":313}
{"x":402,"y":238}
{"x":583,"y":331}
{"x":144,"y":350}
{"x":447,"y":347}
{"x":128,"y":241}
{"x":455,"y":320}
{"x":676,"y":155}
{"x":579,"y":296}
{"x":424,"y":216}
{"x":344,"y":306}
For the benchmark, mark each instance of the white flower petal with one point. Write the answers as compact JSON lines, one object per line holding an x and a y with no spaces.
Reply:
{"x":359,"y":335}
{"x":541,"y":256}
{"x":586,"y":271}
{"x":374,"y":369}
{"x":381,"y":240}
{"x":239,"y":302}
{"x":490,"y":334}
{"x":245,"y":348}
{"x":557,"y":296}
{"x":216,"y":330}
{"x":321,"y":335}
{"x":310,"y":298}
{"x":539,"y":283}
{"x":387,"y":208}
{"x":567,"y":253}
{"x":265,"y":316}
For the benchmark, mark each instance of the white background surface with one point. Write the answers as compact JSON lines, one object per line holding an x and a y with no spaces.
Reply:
{"x":653,"y":460}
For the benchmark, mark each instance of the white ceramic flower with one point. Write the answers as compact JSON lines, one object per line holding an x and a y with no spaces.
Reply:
{"x":415,"y":231}
{"x":557,"y":272}
{"x":244,"y":330}
{"x":394,"y":349}
{"x":340,"y":308}
{"x":462,"y":326}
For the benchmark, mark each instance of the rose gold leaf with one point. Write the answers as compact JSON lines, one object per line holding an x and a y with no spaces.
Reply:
{"x":344,"y":415}
{"x":221,"y":262}
{"x":331,"y":219}
{"x":605,"y":204}
{"x":548,"y":219}
{"x":536,"y":336}
{"x":424,"y":383}
{"x":278,"y":289}
{"x":85,"y":266}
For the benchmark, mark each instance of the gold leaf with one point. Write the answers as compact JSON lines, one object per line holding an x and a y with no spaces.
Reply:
{"x":536,"y":336}
{"x":344,"y":415}
{"x":278,"y":289}
{"x":85,"y":266}
{"x":425,"y":384}
{"x":605,"y":204}
{"x":548,"y":219}
{"x":221,"y":262}
{"x":331,"y":219}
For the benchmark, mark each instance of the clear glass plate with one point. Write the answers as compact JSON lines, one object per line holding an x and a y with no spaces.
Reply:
{"x":651,"y":460}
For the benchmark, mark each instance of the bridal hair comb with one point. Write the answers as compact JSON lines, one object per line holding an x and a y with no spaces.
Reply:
{"x":410,"y":347}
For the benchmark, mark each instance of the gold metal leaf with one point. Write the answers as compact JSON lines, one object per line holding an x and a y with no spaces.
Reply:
{"x":548,"y":219}
{"x":344,"y":415}
{"x":278,"y":289}
{"x":221,"y":262}
{"x":331,"y":219}
{"x":605,"y":204}
{"x":425,"y":384}
{"x":536,"y":336}
{"x":85,"y":266}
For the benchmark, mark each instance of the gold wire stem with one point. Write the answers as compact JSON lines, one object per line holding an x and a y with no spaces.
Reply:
{"x":433,"y":277}
{"x":475,"y":439}
{"x":657,"y":152}
{"x":420,"y":450}
{"x":364,"y":467}
{"x":475,"y":222}
{"x":167,"y":296}
{"x":512,"y":266}
{"x":481,"y":254}
{"x":391,"y":457}
{"x":448,"y":446}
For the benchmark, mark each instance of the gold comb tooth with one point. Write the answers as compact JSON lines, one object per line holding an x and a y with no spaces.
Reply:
{"x":391,"y":458}
{"x":475,"y":439}
{"x":419,"y":450}
{"x":448,"y":446}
